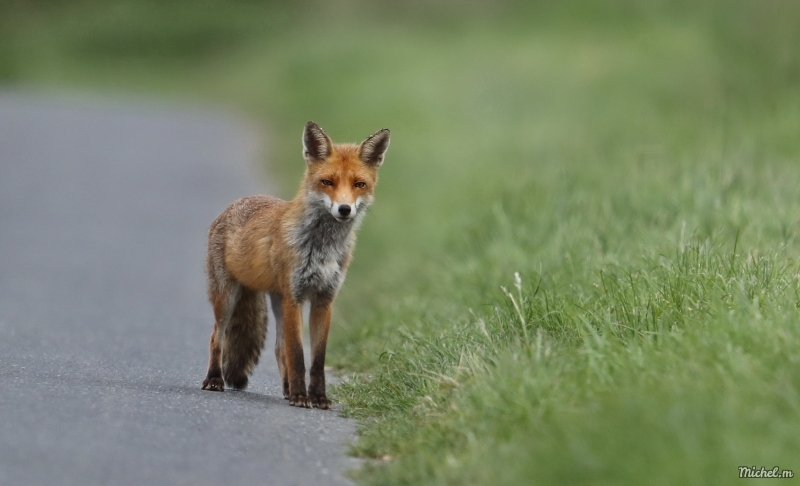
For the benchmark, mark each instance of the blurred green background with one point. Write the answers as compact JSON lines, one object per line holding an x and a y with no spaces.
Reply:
{"x":636,"y":161}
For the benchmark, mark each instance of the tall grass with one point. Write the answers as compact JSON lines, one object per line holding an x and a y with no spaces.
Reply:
{"x":672,"y":362}
{"x":676,"y":373}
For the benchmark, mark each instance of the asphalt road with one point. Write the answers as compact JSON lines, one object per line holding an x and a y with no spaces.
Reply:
{"x":104,"y":323}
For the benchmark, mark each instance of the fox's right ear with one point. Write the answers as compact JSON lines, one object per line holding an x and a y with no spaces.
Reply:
{"x":317,"y":145}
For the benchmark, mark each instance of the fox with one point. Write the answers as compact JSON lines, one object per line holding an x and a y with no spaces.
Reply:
{"x":293,"y":251}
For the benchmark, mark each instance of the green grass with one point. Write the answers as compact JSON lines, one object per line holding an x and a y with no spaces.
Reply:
{"x":635,"y":163}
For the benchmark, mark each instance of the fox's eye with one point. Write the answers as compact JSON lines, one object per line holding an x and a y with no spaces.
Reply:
{"x":326,"y":182}
{"x":360,"y":184}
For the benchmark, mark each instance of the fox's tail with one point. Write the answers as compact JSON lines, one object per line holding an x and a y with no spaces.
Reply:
{"x":244,"y":338}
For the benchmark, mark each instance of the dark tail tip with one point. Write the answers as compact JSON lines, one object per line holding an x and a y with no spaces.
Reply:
{"x":237,"y":382}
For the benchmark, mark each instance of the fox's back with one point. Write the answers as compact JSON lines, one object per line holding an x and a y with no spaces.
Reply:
{"x":244,"y":239}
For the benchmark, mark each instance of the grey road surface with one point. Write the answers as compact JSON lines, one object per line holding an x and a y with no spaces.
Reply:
{"x":104,"y":323}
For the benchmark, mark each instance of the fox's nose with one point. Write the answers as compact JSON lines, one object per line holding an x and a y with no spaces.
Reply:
{"x":344,"y":210}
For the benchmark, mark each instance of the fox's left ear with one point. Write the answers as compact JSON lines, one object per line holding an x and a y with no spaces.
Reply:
{"x":372,"y":149}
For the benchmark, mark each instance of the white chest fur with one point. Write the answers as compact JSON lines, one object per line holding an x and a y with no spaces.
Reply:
{"x":322,"y":245}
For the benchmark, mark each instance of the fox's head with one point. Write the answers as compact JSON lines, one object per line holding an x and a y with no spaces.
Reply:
{"x":342,"y":177}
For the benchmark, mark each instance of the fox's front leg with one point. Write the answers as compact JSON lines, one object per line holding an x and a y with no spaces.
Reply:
{"x":293,"y":352}
{"x":319,"y":324}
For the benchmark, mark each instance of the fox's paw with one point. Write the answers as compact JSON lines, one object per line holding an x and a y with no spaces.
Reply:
{"x":286,"y":389}
{"x":299,"y":400}
{"x":321,"y":401}
{"x":214,"y":384}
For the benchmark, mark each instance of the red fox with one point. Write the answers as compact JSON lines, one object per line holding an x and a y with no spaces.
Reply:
{"x":295,"y":251}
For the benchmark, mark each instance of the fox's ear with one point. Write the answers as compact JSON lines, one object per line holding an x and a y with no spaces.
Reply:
{"x":372,"y":149}
{"x":317,"y":145}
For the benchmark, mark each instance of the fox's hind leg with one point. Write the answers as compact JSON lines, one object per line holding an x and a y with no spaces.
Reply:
{"x":223,"y":308}
{"x":213,"y":381}
{"x":277,"y":310}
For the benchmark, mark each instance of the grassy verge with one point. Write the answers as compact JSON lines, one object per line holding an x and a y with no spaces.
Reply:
{"x":635,"y":164}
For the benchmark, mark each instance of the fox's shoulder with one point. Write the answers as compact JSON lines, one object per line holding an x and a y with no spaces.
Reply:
{"x":253,"y":203}
{"x":246,"y":207}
